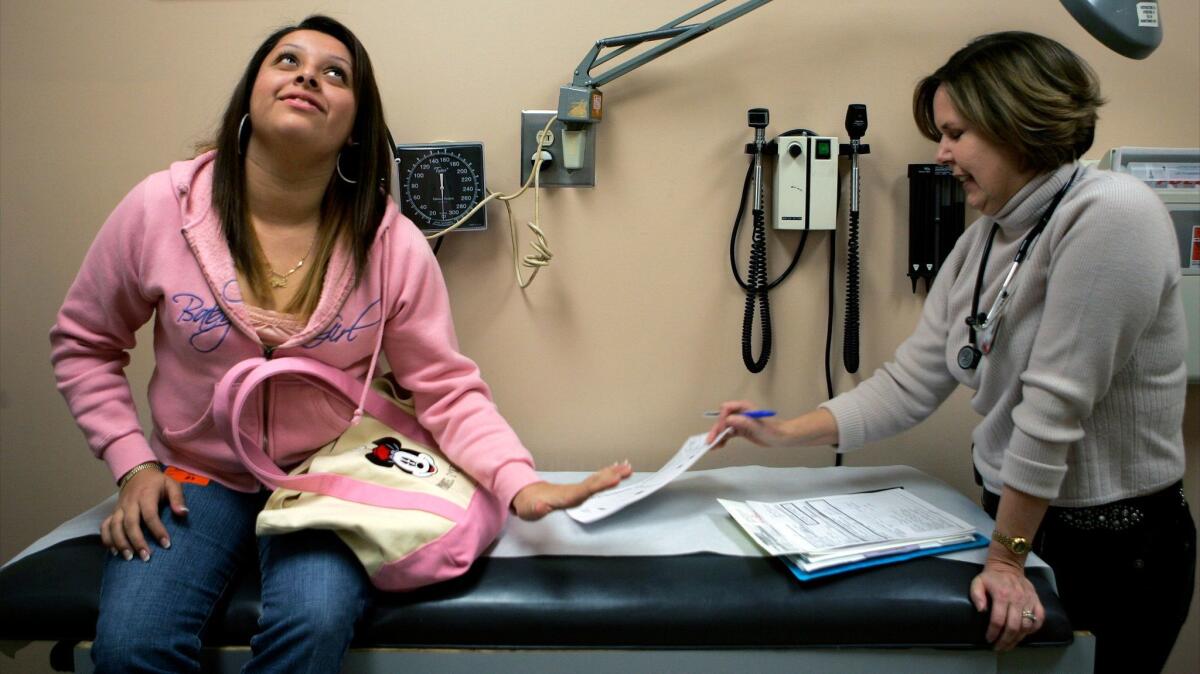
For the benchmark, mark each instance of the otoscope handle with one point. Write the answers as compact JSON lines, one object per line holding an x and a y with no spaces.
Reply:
{"x":758,"y":119}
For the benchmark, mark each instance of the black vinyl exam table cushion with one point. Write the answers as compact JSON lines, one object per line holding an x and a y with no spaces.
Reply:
{"x":699,"y":601}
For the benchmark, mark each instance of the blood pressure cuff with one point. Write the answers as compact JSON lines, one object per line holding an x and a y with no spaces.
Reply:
{"x":558,"y":602}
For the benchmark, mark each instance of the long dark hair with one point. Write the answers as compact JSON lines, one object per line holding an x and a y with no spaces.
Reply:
{"x":349,"y":212}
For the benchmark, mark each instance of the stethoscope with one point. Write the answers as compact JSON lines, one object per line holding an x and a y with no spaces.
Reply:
{"x":982,"y":327}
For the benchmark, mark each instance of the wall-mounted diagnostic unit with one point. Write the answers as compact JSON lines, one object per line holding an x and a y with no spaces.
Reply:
{"x":806,"y":178}
{"x":440,"y":182}
{"x":804,"y":198}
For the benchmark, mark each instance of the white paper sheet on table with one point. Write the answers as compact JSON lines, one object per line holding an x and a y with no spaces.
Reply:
{"x":685,"y":518}
{"x":609,"y":502}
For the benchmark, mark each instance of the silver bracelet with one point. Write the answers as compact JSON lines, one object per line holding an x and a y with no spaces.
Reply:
{"x":134,"y":471}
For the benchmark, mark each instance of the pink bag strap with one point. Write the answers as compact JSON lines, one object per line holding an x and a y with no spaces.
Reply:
{"x":234,"y":391}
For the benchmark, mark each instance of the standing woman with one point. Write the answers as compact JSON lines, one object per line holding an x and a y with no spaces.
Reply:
{"x":1079,"y":376}
{"x":280,"y":241}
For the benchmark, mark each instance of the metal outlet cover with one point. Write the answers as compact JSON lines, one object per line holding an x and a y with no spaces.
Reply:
{"x":553,"y":173}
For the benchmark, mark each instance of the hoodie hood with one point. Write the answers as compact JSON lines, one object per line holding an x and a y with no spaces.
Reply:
{"x":193,"y":184}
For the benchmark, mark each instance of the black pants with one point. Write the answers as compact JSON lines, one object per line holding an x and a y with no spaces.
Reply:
{"x":1125,"y":573}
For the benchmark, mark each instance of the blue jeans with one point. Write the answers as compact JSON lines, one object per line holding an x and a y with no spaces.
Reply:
{"x":152,"y":613}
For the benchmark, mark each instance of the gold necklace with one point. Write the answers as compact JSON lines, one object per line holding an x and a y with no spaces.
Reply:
{"x":281,"y":280}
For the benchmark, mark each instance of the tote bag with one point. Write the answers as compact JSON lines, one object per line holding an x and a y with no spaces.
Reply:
{"x":410,"y":515}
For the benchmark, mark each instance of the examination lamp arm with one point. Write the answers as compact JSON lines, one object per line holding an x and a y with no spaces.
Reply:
{"x":1113,"y":22}
{"x":675,"y":34}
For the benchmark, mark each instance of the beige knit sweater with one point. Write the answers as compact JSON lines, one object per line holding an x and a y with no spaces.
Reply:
{"x":1082,"y":396}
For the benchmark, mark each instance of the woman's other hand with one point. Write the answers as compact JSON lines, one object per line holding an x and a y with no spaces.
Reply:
{"x":137,"y":504}
{"x":1016,"y":609}
{"x":766,"y":432}
{"x":818,"y":427}
{"x":539,"y":499}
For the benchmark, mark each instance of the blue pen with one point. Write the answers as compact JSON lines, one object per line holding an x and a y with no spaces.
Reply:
{"x":753,"y":414}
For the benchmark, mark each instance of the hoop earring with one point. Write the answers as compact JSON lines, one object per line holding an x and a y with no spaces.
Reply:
{"x":341,"y":175}
{"x":241,"y":128}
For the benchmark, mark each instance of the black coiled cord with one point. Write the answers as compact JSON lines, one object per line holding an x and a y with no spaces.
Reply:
{"x":850,"y":334}
{"x":837,"y":460}
{"x":762,"y":287}
{"x":756,"y":296}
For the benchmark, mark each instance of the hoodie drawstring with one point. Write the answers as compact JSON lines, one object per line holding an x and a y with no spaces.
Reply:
{"x":362,"y":398}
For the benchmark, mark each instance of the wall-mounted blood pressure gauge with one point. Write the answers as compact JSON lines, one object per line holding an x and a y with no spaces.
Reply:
{"x":440,"y":182}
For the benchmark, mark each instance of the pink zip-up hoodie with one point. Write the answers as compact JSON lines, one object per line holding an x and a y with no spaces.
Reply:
{"x":162,"y":253}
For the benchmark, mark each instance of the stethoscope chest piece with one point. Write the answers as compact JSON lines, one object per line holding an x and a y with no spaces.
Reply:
{"x":969,"y":357}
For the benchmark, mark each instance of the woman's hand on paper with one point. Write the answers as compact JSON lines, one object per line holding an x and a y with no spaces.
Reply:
{"x":137,"y":504}
{"x":1012,"y":595}
{"x":539,"y":499}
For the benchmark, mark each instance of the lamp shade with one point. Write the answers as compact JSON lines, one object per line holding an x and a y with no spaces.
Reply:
{"x":1129,"y":27}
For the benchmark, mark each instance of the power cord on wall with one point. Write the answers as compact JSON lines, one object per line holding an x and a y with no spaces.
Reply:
{"x":541,"y":248}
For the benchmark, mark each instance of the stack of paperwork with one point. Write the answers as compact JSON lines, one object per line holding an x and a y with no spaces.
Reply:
{"x":831,"y":534}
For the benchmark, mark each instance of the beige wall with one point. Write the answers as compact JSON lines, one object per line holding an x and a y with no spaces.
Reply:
{"x":634,"y":329}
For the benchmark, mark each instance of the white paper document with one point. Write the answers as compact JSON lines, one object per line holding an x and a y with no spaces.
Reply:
{"x":608,"y":502}
{"x":847,"y":524}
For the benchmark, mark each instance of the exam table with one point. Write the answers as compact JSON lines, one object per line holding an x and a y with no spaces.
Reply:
{"x":668,"y":585}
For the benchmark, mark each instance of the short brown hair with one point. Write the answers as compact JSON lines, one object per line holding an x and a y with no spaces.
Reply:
{"x":1020,"y":90}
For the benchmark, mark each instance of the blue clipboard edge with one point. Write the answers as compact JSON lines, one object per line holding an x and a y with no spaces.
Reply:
{"x":978,"y":542}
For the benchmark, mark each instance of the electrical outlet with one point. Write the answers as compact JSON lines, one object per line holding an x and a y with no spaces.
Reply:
{"x":554,"y":174}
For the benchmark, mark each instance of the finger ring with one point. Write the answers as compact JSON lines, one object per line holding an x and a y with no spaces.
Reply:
{"x":1027,"y":614}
